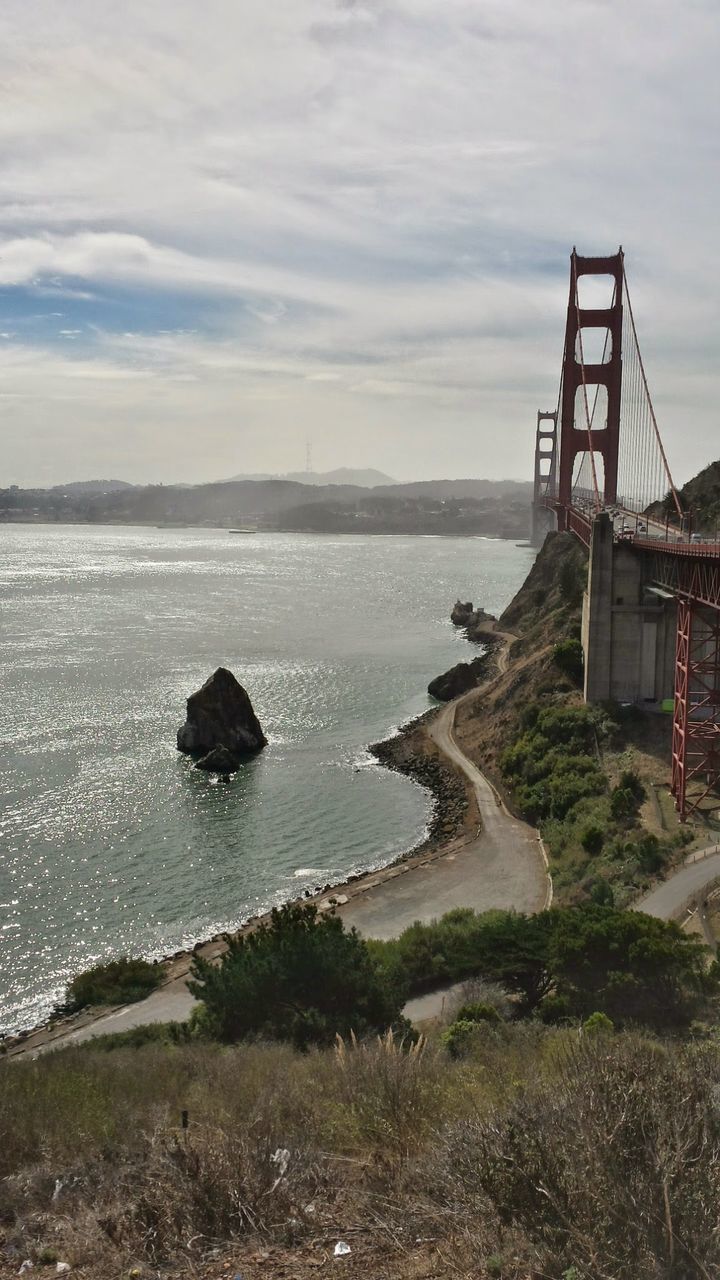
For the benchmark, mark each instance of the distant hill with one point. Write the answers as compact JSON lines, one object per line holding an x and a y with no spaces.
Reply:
{"x":470,"y":488}
{"x":368,"y":478}
{"x":80,"y":487}
{"x":497,"y":508}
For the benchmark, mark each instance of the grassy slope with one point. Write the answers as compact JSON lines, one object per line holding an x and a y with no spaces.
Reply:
{"x":494,"y":1165}
{"x":541,"y":615}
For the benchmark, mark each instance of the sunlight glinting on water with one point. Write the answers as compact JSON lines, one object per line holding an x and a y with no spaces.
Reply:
{"x":110,"y":841}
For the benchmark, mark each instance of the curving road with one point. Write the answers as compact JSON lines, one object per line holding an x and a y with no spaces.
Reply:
{"x":503,"y":867}
{"x":685,"y":887}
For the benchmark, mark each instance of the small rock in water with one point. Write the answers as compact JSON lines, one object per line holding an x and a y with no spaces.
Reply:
{"x":219,"y":760}
{"x":221,"y":726}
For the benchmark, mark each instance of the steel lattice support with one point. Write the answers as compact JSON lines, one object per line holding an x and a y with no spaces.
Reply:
{"x":681,"y":705}
{"x":696,"y":718}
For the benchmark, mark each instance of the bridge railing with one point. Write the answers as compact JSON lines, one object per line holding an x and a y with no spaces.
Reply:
{"x":694,"y":550}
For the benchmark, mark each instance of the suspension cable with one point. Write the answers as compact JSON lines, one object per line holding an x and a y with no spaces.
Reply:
{"x":649,"y":401}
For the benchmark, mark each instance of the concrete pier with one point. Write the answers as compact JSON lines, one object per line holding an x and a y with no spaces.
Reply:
{"x":628,"y":625}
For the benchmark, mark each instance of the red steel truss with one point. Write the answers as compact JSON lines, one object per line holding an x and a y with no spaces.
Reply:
{"x":577,"y":438}
{"x":682,"y":702}
{"x":696,"y":718}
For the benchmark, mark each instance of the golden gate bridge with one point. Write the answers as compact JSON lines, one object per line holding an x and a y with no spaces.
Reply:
{"x":651,"y":613}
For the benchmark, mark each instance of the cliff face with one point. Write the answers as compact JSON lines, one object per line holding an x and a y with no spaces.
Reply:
{"x":545,"y":611}
{"x":547,"y":606}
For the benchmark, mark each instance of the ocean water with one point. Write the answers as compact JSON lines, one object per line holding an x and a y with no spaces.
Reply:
{"x":110,"y":842}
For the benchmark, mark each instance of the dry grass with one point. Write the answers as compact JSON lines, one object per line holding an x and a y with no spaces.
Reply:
{"x":541,"y":1152}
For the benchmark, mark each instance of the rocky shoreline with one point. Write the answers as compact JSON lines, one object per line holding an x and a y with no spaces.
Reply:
{"x":412,"y":753}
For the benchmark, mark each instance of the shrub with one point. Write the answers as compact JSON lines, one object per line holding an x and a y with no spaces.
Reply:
{"x":552,"y":765}
{"x":568,"y":656}
{"x":300,"y":977}
{"x":478,"y":1013}
{"x":602,"y":893}
{"x":592,"y":838}
{"x":459,"y":1037}
{"x":623,"y":804}
{"x":630,"y":781}
{"x":117,"y":982}
{"x":598,"y":1024}
{"x":570,"y":582}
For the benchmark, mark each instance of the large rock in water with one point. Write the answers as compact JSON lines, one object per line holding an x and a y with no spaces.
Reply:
{"x":452,"y":683}
{"x":220,"y":715}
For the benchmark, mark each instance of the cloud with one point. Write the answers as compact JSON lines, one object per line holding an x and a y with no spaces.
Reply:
{"x":363,"y":210}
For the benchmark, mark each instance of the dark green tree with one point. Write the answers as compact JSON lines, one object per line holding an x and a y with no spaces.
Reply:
{"x":629,"y":966}
{"x":300,"y":977}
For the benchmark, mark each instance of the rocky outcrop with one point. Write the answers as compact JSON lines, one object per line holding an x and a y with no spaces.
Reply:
{"x":461,"y":613}
{"x":464,"y":615}
{"x":452,"y":683}
{"x":221,"y":726}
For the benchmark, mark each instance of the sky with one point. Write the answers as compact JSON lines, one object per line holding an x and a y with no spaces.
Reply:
{"x":230,"y":228}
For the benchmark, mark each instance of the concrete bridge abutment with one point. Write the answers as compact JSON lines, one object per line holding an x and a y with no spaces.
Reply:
{"x":628,"y":625}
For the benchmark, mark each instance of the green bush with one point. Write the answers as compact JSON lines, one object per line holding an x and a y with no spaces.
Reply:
{"x":300,"y":977}
{"x":568,"y":656}
{"x":118,"y":982}
{"x":458,"y":1039}
{"x":623,"y":804}
{"x":478,"y":1013}
{"x":552,"y":764}
{"x":602,"y":893}
{"x":592,"y":838}
{"x":571,"y":583}
{"x":630,"y":781}
{"x":598,"y":1024}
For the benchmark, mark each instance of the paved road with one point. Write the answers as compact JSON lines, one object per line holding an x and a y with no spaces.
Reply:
{"x":503,"y":867}
{"x":685,"y":886}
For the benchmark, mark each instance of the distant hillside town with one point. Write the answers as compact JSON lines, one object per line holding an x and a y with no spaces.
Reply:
{"x":471,"y":507}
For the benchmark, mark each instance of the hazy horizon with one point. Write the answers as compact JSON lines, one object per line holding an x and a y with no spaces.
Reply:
{"x":226,"y":229}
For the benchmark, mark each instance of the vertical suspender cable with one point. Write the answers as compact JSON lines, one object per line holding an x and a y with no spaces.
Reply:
{"x":650,"y":403}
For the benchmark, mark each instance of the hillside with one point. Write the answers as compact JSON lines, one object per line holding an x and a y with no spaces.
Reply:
{"x":365,"y":478}
{"x":281,"y":504}
{"x":701,"y":497}
{"x":563,"y":765}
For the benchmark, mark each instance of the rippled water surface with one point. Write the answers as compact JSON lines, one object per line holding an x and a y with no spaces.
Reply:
{"x":110,"y":841}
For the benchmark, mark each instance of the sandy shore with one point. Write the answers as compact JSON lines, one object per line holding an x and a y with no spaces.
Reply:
{"x":475,"y":855}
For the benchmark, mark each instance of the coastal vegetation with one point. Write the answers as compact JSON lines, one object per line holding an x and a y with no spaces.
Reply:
{"x":120,"y":981}
{"x":531,"y":1151}
{"x":301,"y":977}
{"x":564,"y":964}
